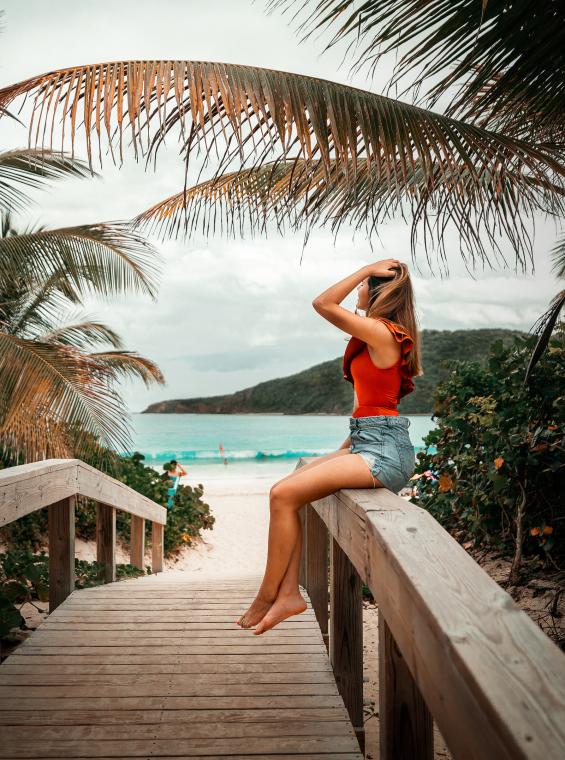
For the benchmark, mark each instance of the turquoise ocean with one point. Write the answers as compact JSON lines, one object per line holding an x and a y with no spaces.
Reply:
{"x":255,"y":445}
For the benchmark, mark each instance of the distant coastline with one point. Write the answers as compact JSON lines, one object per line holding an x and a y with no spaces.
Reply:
{"x":322,"y":390}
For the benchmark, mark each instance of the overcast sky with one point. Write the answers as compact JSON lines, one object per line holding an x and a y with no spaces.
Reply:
{"x":232,"y":313}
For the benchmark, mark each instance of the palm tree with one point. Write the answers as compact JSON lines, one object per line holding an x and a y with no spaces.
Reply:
{"x":506,"y":62}
{"x":50,"y":382}
{"x":440,"y":169}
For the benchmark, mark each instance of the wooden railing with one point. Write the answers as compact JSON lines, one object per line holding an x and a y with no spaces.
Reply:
{"x":454,"y":647}
{"x":55,"y":484}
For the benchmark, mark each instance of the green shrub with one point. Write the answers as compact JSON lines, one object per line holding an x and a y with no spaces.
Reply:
{"x":498,"y":473}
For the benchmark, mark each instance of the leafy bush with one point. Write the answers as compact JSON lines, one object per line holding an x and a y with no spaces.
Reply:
{"x":185,"y":520}
{"x":498,"y":472}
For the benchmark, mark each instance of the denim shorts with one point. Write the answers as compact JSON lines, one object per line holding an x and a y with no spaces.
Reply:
{"x":384,"y":443}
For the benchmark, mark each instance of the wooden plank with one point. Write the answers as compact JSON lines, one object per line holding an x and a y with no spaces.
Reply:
{"x":346,"y":636}
{"x":157,"y":547}
{"x":188,"y":747}
{"x":106,"y":541}
{"x":406,"y":725}
{"x":137,"y":542}
{"x":196,"y":716}
{"x":316,"y":561}
{"x":29,"y":487}
{"x":483,"y":667}
{"x":218,"y":701}
{"x":209,"y":726}
{"x":106,"y":490}
{"x":61,"y":526}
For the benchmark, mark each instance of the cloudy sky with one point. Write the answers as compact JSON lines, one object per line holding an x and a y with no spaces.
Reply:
{"x":232,"y":313}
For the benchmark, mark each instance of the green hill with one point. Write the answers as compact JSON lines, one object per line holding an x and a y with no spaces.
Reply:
{"x":322,"y":389}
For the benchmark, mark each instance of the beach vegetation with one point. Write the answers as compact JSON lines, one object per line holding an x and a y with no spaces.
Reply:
{"x":493,"y":472}
{"x":60,"y":368}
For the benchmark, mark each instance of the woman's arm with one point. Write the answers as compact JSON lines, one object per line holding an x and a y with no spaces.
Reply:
{"x":327,"y":305}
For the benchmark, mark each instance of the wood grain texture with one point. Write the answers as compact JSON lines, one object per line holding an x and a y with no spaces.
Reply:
{"x":346,"y":635}
{"x":106,"y":541}
{"x":61,"y":528}
{"x":133,"y":686}
{"x":483,"y":667}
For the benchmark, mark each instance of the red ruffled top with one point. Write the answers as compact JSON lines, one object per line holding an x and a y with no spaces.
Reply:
{"x":378,"y":390}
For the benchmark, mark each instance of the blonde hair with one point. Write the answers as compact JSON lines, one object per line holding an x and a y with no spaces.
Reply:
{"x":395,"y":301}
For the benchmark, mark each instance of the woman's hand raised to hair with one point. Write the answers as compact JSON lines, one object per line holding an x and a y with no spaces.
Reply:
{"x":384,"y":267}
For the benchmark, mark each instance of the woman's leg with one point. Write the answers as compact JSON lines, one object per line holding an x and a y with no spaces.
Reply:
{"x":286,"y":497}
{"x":289,"y":584}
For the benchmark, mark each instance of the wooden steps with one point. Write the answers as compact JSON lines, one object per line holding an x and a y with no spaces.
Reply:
{"x":157,"y":667}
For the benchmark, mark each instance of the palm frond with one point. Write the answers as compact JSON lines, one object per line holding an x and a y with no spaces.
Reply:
{"x":298,"y":193}
{"x":506,"y":60}
{"x":544,"y":328}
{"x":248,"y":113}
{"x":83,"y":335}
{"x":130,"y":365}
{"x":558,"y":257}
{"x":106,"y":258}
{"x":30,"y":168}
{"x":59,"y":386}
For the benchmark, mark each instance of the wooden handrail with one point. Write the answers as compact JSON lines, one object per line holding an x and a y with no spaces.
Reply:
{"x":453,"y":645}
{"x":56,"y":483}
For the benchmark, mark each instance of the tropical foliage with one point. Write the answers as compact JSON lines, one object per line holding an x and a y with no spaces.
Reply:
{"x":384,"y":155}
{"x":495,"y":468}
{"x":51,"y":380}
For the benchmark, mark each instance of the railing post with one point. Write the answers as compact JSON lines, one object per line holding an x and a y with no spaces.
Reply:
{"x":137,"y":542}
{"x":61,"y":526}
{"x":302,"y":573}
{"x":346,"y":635}
{"x":157,"y":547}
{"x":316,"y":564}
{"x":406,"y":724}
{"x":106,"y":541}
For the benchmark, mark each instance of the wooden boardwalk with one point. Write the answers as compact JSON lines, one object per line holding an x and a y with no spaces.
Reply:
{"x":156,"y":667}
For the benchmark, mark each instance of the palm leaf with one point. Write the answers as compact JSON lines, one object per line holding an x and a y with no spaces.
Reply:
{"x":248,"y":112}
{"x":57,"y":386}
{"x":33,"y":169}
{"x":83,"y":335}
{"x":130,"y":365}
{"x":298,"y":193}
{"x":103,"y":258}
{"x":544,"y":328}
{"x":558,"y":257}
{"x":507,"y":60}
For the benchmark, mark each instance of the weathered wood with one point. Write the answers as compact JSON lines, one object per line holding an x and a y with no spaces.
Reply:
{"x":406,"y":727}
{"x":209,"y":692}
{"x":29,"y":487}
{"x":106,"y":490}
{"x":346,"y":636}
{"x":302,"y":572}
{"x":483,"y":667}
{"x":316,"y":563}
{"x":106,"y":541}
{"x":157,"y":547}
{"x":137,"y":542}
{"x":61,"y":522}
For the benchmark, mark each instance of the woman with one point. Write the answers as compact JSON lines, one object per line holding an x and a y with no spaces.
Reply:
{"x":380,"y":360}
{"x":175,"y":471}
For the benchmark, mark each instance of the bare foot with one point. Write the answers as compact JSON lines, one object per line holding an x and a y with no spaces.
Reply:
{"x":283,"y":607}
{"x":259,"y":607}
